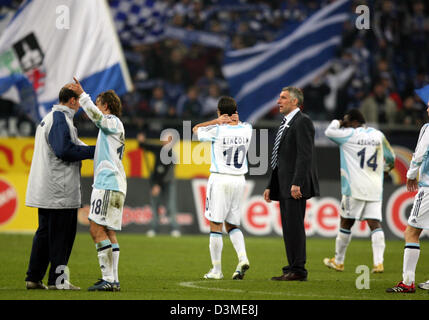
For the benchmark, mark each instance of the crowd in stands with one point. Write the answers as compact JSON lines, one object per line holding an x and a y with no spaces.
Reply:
{"x":376,"y":70}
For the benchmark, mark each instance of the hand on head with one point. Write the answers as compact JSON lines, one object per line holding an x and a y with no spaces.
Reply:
{"x":76,"y":87}
{"x":345,"y":122}
{"x":223,"y":119}
{"x":235,"y":117}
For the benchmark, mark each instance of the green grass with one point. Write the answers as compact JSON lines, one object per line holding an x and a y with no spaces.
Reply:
{"x":165,"y":268}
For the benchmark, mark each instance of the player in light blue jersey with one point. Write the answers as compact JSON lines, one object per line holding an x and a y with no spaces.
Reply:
{"x":417,"y":180}
{"x":230,"y":141}
{"x":365,"y":155}
{"x":110,"y":184}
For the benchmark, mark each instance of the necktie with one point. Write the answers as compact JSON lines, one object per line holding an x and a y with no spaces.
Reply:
{"x":274,"y":159}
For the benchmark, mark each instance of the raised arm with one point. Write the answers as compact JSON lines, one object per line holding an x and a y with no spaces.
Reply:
{"x":223,"y":119}
{"x":104,"y":122}
{"x":337,"y":134}
{"x":143,"y":144}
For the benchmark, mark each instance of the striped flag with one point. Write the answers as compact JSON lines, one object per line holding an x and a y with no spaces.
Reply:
{"x":46,"y":43}
{"x":139,"y":21}
{"x":256,"y":75}
{"x":147,"y":21}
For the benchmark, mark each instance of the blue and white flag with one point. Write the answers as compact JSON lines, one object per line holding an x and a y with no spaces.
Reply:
{"x":423,"y":93}
{"x":147,"y":21}
{"x":48,"y":42}
{"x":139,"y":21}
{"x":256,"y":75}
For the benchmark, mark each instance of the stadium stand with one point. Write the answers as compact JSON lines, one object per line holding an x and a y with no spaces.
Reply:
{"x":175,"y":79}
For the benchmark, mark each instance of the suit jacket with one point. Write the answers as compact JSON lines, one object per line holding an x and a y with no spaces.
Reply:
{"x":296,"y":161}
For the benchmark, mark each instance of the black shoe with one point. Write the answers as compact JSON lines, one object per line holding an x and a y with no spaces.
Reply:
{"x":290,"y":276}
{"x":101,"y":285}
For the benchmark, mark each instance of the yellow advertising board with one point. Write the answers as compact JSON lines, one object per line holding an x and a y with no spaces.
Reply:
{"x":15,"y":162}
{"x":194,"y":158}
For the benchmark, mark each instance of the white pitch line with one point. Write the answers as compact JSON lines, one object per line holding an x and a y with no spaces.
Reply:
{"x":191,"y":284}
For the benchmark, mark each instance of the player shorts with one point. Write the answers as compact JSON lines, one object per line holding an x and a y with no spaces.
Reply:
{"x":352,"y":208}
{"x":419,"y":215}
{"x":224,"y":196}
{"x":106,"y":208}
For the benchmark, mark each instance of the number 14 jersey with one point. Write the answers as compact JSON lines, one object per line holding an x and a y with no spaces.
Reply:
{"x":229,"y":147}
{"x":364,"y":155}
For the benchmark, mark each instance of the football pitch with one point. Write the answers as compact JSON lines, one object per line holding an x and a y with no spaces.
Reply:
{"x":166,"y":268}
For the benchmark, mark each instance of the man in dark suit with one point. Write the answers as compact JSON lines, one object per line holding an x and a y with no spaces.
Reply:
{"x":293,"y":179}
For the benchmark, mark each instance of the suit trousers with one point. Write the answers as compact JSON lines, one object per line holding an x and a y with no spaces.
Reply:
{"x":52,"y":243}
{"x":292,"y":214}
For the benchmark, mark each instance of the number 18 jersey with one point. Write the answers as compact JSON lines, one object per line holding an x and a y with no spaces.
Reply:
{"x":229,"y":147}
{"x":109,"y":173}
{"x":364,"y":152}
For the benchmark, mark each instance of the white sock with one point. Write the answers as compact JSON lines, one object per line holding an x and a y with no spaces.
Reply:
{"x":237,"y":240}
{"x":115,"y":257}
{"x":341,"y":242}
{"x":411,"y":256}
{"x":104,"y":252}
{"x":216,"y":245}
{"x":378,"y":246}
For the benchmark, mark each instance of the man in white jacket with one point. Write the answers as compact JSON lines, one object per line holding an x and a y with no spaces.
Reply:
{"x":54,"y":188}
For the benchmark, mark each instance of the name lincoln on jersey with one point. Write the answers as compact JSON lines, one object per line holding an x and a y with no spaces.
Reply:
{"x":235,"y":140}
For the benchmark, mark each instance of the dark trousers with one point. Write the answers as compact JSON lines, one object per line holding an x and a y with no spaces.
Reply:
{"x":292,"y":214}
{"x":52,"y":243}
{"x":168,"y":198}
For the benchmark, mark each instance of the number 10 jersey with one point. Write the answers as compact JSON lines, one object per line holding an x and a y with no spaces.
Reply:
{"x":364,"y":155}
{"x":229,"y":147}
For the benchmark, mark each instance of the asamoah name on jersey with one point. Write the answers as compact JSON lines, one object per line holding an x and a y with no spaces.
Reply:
{"x":364,"y":142}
